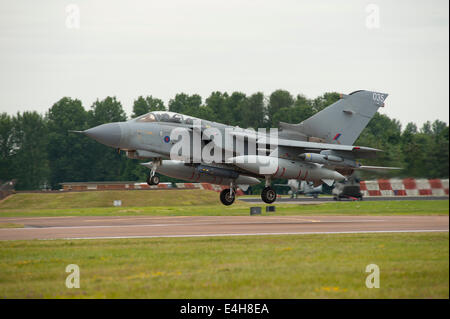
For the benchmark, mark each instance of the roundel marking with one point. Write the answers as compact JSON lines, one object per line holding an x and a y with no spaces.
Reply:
{"x":166,"y":139}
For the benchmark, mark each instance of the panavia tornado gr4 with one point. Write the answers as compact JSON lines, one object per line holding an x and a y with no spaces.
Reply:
{"x":302,"y":187}
{"x":318,"y":150}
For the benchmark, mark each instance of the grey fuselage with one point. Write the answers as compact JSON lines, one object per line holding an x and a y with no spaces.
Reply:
{"x":317,"y":150}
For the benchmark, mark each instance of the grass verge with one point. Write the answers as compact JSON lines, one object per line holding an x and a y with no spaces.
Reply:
{"x":416,"y":207}
{"x":66,"y":200}
{"x":412,"y":265}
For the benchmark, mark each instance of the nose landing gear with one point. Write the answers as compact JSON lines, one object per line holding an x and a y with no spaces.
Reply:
{"x":228,"y":195}
{"x":154,"y":179}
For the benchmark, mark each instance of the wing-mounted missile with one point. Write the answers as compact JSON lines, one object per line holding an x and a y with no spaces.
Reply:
{"x":283,"y":168}
{"x":202,"y":173}
{"x":328,"y":159}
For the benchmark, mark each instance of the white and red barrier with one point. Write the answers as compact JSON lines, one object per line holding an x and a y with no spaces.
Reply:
{"x":380,"y":187}
{"x":93,"y":186}
{"x":146,"y":186}
{"x":405,"y":187}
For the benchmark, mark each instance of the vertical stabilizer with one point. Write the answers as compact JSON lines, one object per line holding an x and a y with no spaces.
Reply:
{"x":343,"y":121}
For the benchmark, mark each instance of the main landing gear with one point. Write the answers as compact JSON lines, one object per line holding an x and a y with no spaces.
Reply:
{"x":268,"y":194}
{"x":228,"y":195}
{"x":153,"y":179}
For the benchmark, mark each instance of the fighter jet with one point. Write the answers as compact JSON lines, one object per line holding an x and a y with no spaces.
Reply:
{"x":302,"y":188}
{"x":319,"y":150}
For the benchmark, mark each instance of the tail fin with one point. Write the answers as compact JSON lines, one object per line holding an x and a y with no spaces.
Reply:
{"x":343,"y":121}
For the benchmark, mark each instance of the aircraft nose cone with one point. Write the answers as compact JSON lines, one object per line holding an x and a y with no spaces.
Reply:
{"x":109,"y":134}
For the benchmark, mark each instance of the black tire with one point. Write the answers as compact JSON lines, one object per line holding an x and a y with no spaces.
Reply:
{"x":268,"y":195}
{"x":226,"y":198}
{"x":155,"y":180}
{"x":149,"y":181}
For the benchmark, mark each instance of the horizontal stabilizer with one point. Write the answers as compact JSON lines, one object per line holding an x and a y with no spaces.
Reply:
{"x":377,"y":168}
{"x":357,"y":151}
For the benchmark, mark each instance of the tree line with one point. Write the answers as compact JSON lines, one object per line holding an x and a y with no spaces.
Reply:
{"x":39,"y":151}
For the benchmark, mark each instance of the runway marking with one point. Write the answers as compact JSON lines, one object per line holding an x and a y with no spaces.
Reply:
{"x":137,"y":218}
{"x":31,"y":227}
{"x":303,"y":219}
{"x":260,"y":234}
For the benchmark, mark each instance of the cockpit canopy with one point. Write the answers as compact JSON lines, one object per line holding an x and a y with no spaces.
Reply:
{"x":149,"y":117}
{"x":162,"y":116}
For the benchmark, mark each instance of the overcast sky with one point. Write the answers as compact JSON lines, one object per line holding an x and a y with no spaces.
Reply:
{"x":131,"y":48}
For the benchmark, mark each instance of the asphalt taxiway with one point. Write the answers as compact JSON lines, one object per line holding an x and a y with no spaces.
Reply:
{"x":323,"y":199}
{"x":97,"y":227}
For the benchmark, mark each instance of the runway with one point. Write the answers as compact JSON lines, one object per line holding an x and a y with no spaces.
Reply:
{"x":323,"y":199}
{"x":93,"y":227}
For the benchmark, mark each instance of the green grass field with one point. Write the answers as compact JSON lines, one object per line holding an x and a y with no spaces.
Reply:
{"x":412,"y":265}
{"x":92,"y":199}
{"x":192,"y":203}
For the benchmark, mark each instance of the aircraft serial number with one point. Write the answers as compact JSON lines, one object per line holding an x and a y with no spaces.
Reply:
{"x":378,"y":97}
